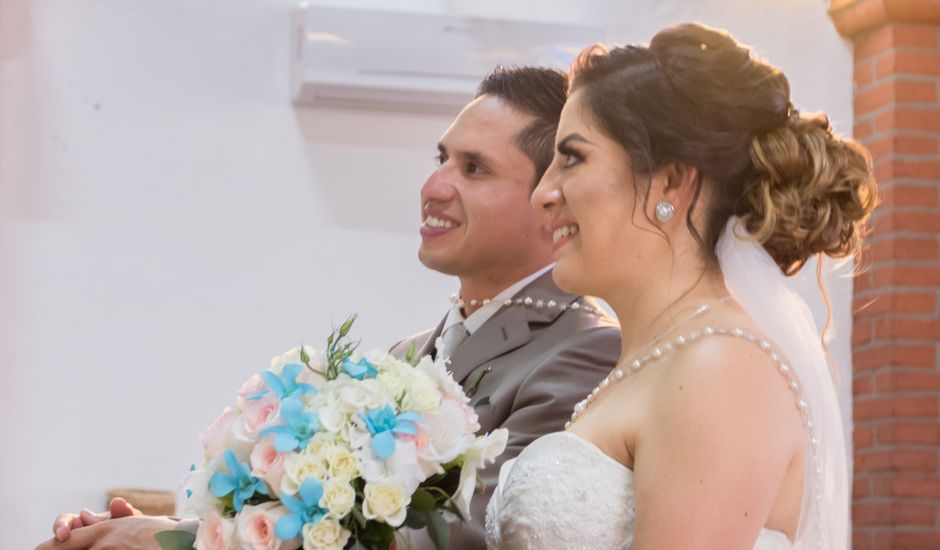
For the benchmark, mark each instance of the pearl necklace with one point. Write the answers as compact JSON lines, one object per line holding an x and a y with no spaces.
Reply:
{"x":782,"y":367}
{"x":528,"y":302}
{"x":636,"y":361}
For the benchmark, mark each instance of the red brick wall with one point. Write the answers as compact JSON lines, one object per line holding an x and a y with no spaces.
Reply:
{"x":896,"y":378}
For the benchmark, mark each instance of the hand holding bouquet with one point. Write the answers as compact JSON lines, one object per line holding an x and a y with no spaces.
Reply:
{"x":337,"y":450}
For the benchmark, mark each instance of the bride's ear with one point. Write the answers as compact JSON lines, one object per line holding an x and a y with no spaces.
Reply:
{"x":677,"y":184}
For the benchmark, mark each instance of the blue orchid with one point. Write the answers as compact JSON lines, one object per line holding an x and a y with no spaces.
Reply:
{"x":302,"y":511}
{"x":189,"y":492}
{"x":359,"y":369}
{"x":383,"y":423}
{"x":300,"y":426}
{"x":240,"y":483}
{"x":284,"y":386}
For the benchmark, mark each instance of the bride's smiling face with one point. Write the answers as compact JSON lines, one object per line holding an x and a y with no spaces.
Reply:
{"x":602,"y":239}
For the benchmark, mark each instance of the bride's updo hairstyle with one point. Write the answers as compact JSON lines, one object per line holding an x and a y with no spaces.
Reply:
{"x":697,"y":97}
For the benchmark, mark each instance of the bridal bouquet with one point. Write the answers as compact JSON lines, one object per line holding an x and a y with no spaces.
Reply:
{"x":335,"y":449}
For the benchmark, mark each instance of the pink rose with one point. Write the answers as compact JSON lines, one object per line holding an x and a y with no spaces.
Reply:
{"x":256,"y":416}
{"x":214,"y":533}
{"x":251,"y":386}
{"x":255,"y":527}
{"x":267,"y":464}
{"x":217,"y":437}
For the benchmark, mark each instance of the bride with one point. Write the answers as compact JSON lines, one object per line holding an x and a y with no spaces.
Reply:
{"x":684,"y":189}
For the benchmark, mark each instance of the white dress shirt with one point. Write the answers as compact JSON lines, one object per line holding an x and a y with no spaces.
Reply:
{"x":483,"y":314}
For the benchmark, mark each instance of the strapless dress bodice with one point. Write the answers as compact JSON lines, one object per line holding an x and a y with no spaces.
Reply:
{"x":564,"y":492}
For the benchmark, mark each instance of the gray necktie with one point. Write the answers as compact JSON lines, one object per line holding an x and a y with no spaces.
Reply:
{"x":452,"y":337}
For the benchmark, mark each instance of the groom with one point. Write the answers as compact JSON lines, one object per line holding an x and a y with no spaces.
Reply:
{"x":524,"y":350}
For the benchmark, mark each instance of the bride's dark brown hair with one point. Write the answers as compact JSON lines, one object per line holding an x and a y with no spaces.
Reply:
{"x":697,"y":97}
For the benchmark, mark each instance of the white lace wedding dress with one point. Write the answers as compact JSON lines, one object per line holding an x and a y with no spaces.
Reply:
{"x":563,"y":492}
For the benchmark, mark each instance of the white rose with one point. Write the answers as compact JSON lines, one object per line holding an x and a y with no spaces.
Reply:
{"x":342,"y":463}
{"x":422,"y":394}
{"x":386,"y":502}
{"x":321,"y":444}
{"x":326,"y":534}
{"x":338,"y":497}
{"x":298,"y":467}
{"x":396,"y":380}
{"x":200,"y":501}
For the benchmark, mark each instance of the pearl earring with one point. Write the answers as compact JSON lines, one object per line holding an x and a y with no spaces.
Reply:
{"x":664,"y":211}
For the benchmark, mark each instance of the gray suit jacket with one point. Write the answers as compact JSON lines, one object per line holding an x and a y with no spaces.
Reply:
{"x":525,"y":369}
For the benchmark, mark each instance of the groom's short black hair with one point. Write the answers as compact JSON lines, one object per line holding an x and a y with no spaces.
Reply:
{"x":537,"y":91}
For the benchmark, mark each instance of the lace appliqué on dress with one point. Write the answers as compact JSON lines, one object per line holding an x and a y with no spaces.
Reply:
{"x":564,"y":492}
{"x":561,"y":492}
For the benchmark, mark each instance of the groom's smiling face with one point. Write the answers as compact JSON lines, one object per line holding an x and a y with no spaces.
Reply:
{"x":476,"y":218}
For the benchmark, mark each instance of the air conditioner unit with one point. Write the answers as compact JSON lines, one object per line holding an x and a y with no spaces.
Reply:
{"x":415,"y":62}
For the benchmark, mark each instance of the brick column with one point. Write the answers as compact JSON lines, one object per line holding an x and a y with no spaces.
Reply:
{"x":896,"y":378}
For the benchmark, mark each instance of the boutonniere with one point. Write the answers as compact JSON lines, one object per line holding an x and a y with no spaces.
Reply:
{"x":474,"y":381}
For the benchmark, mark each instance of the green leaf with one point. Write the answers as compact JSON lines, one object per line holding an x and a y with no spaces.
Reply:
{"x":438,"y":530}
{"x":452,"y":508}
{"x":417,"y":519}
{"x":175,"y":540}
{"x":377,"y":536}
{"x":423,"y":500}
{"x":228,"y":505}
{"x":444,"y":484}
{"x":303,"y":355}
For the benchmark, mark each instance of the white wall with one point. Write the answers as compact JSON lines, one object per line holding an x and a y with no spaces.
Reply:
{"x":168,"y":221}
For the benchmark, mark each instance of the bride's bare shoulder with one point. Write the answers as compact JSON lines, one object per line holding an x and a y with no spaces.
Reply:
{"x":728,"y":374}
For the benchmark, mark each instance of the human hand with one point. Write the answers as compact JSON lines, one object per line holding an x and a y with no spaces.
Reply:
{"x":134,"y":532}
{"x":64,"y":524}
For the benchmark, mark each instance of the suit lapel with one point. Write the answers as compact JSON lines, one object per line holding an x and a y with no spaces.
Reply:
{"x":503,"y":332}
{"x":509,"y":328}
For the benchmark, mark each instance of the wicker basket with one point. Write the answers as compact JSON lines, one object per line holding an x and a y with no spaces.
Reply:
{"x":152,"y":502}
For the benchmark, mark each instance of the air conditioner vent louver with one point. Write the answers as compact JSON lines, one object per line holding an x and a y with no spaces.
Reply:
{"x":415,"y":62}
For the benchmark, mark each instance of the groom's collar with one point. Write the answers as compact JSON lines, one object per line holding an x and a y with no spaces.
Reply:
{"x":478,"y":318}
{"x":508,"y":328}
